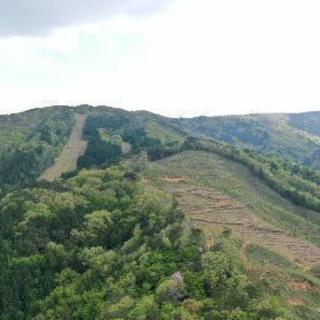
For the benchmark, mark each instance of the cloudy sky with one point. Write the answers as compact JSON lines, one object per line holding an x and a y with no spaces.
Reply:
{"x":174,"y":57}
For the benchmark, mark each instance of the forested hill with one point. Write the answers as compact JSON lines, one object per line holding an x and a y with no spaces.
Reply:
{"x":292,"y":136}
{"x":208,"y":218}
{"x":31,"y":140}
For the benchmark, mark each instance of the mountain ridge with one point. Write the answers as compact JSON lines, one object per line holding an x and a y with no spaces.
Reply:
{"x":160,"y":218}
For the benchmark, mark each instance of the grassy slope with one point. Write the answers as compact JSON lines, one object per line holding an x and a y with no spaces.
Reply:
{"x":280,"y":275}
{"x":210,"y":170}
{"x":67,"y":160}
{"x":293,"y":136}
{"x":214,"y":171}
{"x":300,"y":290}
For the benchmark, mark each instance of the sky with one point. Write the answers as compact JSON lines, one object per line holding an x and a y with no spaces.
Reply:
{"x":173,"y":57}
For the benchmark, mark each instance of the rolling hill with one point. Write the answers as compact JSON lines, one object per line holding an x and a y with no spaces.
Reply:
{"x":111,"y":214}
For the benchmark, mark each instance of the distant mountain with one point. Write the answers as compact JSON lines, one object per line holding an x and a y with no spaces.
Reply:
{"x":293,"y":136}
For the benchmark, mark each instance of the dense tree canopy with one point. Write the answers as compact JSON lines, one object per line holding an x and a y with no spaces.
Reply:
{"x":100,"y":245}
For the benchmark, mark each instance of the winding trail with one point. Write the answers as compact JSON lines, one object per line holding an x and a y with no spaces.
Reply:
{"x":74,"y":148}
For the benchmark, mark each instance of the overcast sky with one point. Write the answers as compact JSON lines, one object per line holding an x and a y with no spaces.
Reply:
{"x":174,"y":57}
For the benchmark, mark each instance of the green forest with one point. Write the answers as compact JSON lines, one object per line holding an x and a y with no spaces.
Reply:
{"x":105,"y":242}
{"x":30,"y":141}
{"x":104,"y":245}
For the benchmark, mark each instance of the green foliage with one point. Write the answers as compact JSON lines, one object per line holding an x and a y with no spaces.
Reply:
{"x":265,"y":257}
{"x":293,"y":136}
{"x":31,"y":141}
{"x":299,"y":184}
{"x":99,"y":244}
{"x":99,"y":152}
{"x":102,"y":246}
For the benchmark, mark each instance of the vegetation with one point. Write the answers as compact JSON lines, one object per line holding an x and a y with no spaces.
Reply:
{"x":103,"y":246}
{"x":211,"y":170}
{"x":102,"y":243}
{"x":100,"y":151}
{"x":227,"y":186}
{"x":291,"y":136}
{"x":30,"y":141}
{"x":103,"y":149}
{"x":298,"y":183}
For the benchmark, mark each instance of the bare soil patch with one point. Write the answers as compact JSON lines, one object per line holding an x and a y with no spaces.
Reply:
{"x":175,"y":179}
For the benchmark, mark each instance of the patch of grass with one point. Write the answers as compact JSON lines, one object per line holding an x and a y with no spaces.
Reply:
{"x":227,"y":176}
{"x":165,"y":134}
{"x":266,"y":257}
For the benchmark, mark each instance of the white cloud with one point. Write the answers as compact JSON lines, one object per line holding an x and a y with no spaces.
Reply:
{"x":195,"y":57}
{"x":40,"y":17}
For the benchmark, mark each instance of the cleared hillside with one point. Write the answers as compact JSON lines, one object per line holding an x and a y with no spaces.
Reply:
{"x":221,"y":193}
{"x":74,"y":148}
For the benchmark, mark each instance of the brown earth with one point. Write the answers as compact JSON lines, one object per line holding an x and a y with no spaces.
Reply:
{"x":176,"y":179}
{"x":218,"y":211}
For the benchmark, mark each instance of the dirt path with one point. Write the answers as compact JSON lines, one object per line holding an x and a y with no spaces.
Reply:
{"x":75,"y":147}
{"x":218,"y":211}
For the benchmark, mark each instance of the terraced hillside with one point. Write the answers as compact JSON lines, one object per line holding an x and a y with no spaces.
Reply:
{"x":220,"y":193}
{"x":74,"y":148}
{"x":216,"y":210}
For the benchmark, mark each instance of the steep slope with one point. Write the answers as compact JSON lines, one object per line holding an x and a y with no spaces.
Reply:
{"x":222,"y":193}
{"x":29,"y":142}
{"x":280,"y":241}
{"x":292,"y":136}
{"x":73,"y":149}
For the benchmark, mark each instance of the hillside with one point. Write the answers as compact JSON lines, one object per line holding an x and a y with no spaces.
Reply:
{"x":111,"y":214}
{"x":220,"y":195}
{"x":293,"y":136}
{"x":30,"y":141}
{"x":73,"y":149}
{"x":224,"y":194}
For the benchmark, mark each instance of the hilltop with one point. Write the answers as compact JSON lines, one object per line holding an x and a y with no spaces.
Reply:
{"x":111,"y":214}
